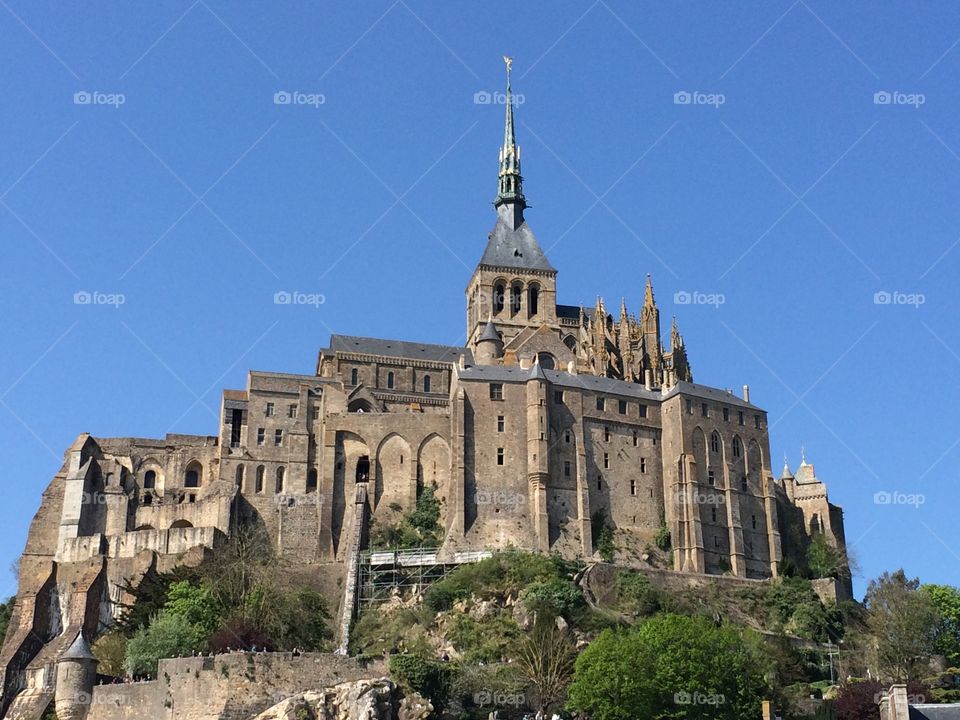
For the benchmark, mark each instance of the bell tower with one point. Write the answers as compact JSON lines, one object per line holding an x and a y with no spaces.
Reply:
{"x":514,"y":284}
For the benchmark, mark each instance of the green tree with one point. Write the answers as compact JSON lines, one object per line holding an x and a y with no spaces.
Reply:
{"x":946,"y":599}
{"x":824,"y":559}
{"x":111,"y":651}
{"x":6,"y":611}
{"x":553,"y":597}
{"x":167,"y":636}
{"x":671,"y":667}
{"x":903,"y":623}
{"x":197,"y":604}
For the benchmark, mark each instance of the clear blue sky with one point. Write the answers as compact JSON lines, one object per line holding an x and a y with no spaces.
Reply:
{"x":196,"y":199}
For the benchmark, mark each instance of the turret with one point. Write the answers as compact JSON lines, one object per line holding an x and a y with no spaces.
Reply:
{"x":489,"y":347}
{"x":76,"y":676}
{"x":538,"y":453}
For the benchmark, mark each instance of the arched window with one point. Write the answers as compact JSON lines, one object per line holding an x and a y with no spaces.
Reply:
{"x":354,"y":376}
{"x":516,"y":298}
{"x":240,"y":477}
{"x":260,"y":473}
{"x":546,"y":361}
{"x":280,"y":473}
{"x":570,"y":341}
{"x":312,"y":480}
{"x":426,"y":383}
{"x":192,"y":478}
{"x":533,"y":300}
{"x":499,"y":293}
{"x":363,"y":469}
{"x":390,"y":380}
{"x":715,"y":442}
{"x":737,"y":448}
{"x":149,"y":480}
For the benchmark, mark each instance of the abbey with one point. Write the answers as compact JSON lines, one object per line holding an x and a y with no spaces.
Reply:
{"x":553,"y":422}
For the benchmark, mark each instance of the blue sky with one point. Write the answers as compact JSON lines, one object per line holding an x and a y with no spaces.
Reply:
{"x":787,"y":187}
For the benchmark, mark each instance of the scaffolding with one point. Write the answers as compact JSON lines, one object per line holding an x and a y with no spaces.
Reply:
{"x":382,"y":574}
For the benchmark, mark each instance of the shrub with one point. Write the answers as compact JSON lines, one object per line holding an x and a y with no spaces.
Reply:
{"x":663,"y":540}
{"x":552,"y":597}
{"x":636,"y":593}
{"x":167,"y":636}
{"x":602,"y":533}
{"x":423,"y":675}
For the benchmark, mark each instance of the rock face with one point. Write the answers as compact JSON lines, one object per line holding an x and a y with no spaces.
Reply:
{"x":360,"y":700}
{"x":415,"y":707}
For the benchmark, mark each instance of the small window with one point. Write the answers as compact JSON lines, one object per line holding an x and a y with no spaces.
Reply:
{"x":566,"y":437}
{"x":192,"y":479}
{"x":756,"y":421}
{"x":713,"y":514}
{"x":726,"y":414}
{"x":558,"y":396}
{"x":501,"y":423}
{"x":496,"y":391}
{"x":715,"y":442}
{"x":633,"y":487}
{"x":740,"y":416}
{"x":606,"y":461}
{"x":599,"y":482}
{"x":316,"y":412}
{"x":312,"y":480}
{"x":743,"y":483}
{"x":606,"y":434}
{"x":239,"y":478}
{"x":291,"y":411}
{"x":278,"y":437}
{"x":737,"y":448}
{"x":705,"y":410}
{"x":643,"y":465}
{"x":643,"y":411}
{"x":711,"y":478}
{"x":601,"y":403}
{"x":268,"y":411}
{"x":689,"y":407}
{"x":390,"y":380}
{"x":426,"y":383}
{"x":150,"y":480}
{"x":753,"y":521}
{"x":280,"y":474}
{"x":499,"y":456}
{"x":622,"y":407}
{"x":260,"y":473}
{"x":354,"y":377}
{"x":260,"y":435}
{"x":566,"y":468}
{"x":636,"y":439}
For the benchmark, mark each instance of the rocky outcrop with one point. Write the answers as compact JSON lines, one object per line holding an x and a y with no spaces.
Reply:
{"x":361,"y":700}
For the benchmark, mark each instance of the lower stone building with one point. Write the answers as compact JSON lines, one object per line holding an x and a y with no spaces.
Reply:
{"x":552,"y":421}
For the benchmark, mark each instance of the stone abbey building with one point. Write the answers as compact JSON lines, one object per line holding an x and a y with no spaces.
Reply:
{"x":553,"y":418}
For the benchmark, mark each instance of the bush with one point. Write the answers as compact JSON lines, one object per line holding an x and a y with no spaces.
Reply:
{"x":602,"y":533}
{"x":442,"y":595}
{"x":636,"y":594}
{"x":110,"y":650}
{"x":167,"y":636}
{"x":418,"y":673}
{"x":552,"y":597}
{"x":240,"y":634}
{"x":663,"y":540}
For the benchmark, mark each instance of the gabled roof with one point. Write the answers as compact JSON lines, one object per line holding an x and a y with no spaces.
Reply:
{"x":399,"y":349}
{"x":515,"y":249}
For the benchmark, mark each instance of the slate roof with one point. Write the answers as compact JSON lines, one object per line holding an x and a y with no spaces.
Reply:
{"x":80,"y":650}
{"x":592,"y":383}
{"x":935,"y":712}
{"x":710,"y":393}
{"x":490,"y":332}
{"x":514,"y":249}
{"x":572,"y":312}
{"x":399,"y":348}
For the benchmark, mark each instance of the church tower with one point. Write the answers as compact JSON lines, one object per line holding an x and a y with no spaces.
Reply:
{"x":514,"y":284}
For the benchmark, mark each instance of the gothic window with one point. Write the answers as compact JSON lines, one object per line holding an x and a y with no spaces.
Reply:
{"x":737,"y":448}
{"x":260,"y":473}
{"x":354,"y":376}
{"x":280,"y":474}
{"x":715,"y":442}
{"x":312,"y":480}
{"x":516,"y":298}
{"x":426,"y":383}
{"x":570,"y":341}
{"x":499,"y":292}
{"x":546,"y":361}
{"x":149,"y":480}
{"x":390,"y":380}
{"x":533,"y":306}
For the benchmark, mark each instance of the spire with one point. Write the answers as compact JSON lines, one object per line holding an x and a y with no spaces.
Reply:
{"x":648,"y":293}
{"x":510,"y":189}
{"x":786,"y":474}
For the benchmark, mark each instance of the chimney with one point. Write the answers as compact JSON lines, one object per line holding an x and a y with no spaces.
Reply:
{"x":648,"y":378}
{"x":746,"y":393}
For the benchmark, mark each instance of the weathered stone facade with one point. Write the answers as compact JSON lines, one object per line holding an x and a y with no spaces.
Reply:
{"x":551,"y":417}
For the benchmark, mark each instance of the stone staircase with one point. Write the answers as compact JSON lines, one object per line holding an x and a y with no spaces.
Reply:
{"x":353,"y":566}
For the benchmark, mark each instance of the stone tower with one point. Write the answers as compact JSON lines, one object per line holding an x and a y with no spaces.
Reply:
{"x":514,"y":283}
{"x":76,"y":676}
